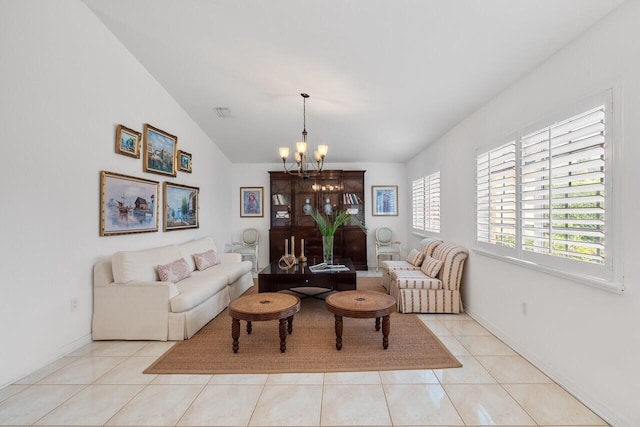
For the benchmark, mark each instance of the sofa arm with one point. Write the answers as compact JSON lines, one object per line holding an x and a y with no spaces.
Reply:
{"x":230,"y":257}
{"x":132,"y":311}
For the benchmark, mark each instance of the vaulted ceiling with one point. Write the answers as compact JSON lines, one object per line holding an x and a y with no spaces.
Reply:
{"x":386,"y":78}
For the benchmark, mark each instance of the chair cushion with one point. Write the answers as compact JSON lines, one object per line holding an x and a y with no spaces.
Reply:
{"x":415,"y":257}
{"x":246,"y":250}
{"x":413,"y":279}
{"x":174,"y":271}
{"x":431,"y":266}
{"x":388,"y":249}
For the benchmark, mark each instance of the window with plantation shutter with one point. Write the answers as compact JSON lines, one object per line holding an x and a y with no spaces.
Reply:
{"x":426,"y":203}
{"x":545,"y":200}
{"x":496,"y":196}
{"x":562,"y":188}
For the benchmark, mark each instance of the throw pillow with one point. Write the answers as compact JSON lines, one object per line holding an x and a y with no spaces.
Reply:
{"x":174,"y":271}
{"x":415,"y":257}
{"x":431,"y":267}
{"x":206,"y":259}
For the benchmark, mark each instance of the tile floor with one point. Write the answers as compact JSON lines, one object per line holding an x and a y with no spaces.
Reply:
{"x":102,"y":384}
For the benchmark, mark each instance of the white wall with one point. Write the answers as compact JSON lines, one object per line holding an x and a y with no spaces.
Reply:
{"x":66,"y":84}
{"x":583,"y":337}
{"x":257,"y":175}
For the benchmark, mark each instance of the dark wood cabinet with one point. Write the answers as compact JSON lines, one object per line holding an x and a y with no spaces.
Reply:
{"x":341,"y":190}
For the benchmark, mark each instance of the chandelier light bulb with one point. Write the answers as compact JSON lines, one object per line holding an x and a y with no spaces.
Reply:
{"x":301,"y":147}
{"x":284,"y":153}
{"x":322,"y":150}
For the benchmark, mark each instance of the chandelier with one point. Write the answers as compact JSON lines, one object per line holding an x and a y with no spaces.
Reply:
{"x":303,"y":168}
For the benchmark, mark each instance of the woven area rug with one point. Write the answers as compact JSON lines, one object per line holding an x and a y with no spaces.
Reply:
{"x":311,"y":346}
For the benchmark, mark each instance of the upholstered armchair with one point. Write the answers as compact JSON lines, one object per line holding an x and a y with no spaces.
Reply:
{"x":249,"y":245}
{"x":385,"y":246}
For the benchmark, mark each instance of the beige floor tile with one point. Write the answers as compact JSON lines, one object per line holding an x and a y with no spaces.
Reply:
{"x":425,"y":404}
{"x":156,"y":348}
{"x":88,"y":349}
{"x":292,"y":379}
{"x":223,"y":405}
{"x":487,"y":345}
{"x":118,"y":348}
{"x":550,"y":404}
{"x":454,"y":346}
{"x":354,"y":405}
{"x":249,"y":379}
{"x":33,"y":403}
{"x":288,"y":405}
{"x":371,"y":377}
{"x":94,"y":405}
{"x":437,"y":328}
{"x":182,"y":379}
{"x":512,"y":369}
{"x":471,"y":372}
{"x":157,"y":405}
{"x":85,"y":370}
{"x":10,"y":390}
{"x":464,"y":327}
{"x":129,"y":372}
{"x":418,"y":376}
{"x":47,"y":370}
{"x":453,"y":316}
{"x":486,"y":404}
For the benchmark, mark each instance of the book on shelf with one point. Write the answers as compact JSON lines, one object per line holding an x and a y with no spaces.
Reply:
{"x":279,"y":199}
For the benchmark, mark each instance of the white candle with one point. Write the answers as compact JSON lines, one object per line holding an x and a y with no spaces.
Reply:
{"x":286,"y":247}
{"x":301,"y":247}
{"x":293,"y":246}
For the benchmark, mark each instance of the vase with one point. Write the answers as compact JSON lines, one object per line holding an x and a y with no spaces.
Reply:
{"x":327,"y":249}
{"x":328,"y":209}
{"x":307,"y":207}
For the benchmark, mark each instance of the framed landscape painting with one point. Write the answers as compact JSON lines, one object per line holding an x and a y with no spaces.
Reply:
{"x":128,"y":141}
{"x":184,"y":161}
{"x":385,"y":200}
{"x":181,"y":204}
{"x":160,"y":151}
{"x":251,"y":202}
{"x":127,"y":204}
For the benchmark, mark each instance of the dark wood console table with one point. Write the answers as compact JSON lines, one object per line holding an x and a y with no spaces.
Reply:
{"x":274,"y":279}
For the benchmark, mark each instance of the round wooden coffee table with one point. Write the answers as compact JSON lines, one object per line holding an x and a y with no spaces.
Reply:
{"x":262,"y":307}
{"x":362,"y":305}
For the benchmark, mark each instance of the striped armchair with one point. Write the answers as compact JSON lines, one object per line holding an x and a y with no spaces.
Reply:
{"x":426,"y":246}
{"x":415,"y":292}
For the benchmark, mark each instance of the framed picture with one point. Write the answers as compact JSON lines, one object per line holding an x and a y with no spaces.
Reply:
{"x":160,"y":151}
{"x":127,"y":204}
{"x":184,"y":161}
{"x":251,"y":201}
{"x":385,"y":200}
{"x":128,"y":141}
{"x":181,"y":207}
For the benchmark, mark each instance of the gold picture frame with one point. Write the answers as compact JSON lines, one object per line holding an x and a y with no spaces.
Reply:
{"x":128,"y":141}
{"x":160,"y":151}
{"x":184,"y":161}
{"x":181,"y":206}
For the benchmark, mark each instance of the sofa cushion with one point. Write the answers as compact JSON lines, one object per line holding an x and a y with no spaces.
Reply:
{"x":232,"y":270}
{"x":141,"y":265}
{"x":414,"y":279}
{"x":206,"y":260}
{"x":391,"y":265}
{"x":174,"y":271}
{"x":415,"y":257}
{"x":431,"y":266}
{"x":428,"y":245}
{"x":197,"y":289}
{"x":196,"y":247}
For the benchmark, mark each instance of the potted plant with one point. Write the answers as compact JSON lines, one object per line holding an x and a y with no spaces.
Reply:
{"x":328,"y":225}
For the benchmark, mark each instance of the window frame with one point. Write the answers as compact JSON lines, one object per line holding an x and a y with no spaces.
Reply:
{"x":606,"y":276}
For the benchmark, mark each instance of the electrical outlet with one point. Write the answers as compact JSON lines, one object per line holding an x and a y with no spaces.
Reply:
{"x":524,"y":308}
{"x":74,"y":304}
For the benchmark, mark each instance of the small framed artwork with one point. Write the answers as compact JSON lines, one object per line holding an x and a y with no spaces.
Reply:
{"x":128,"y":141}
{"x":184,"y":161}
{"x":251,"y":202}
{"x":385,"y":200}
{"x":160,"y":151}
{"x":127,"y":204}
{"x":181,"y":206}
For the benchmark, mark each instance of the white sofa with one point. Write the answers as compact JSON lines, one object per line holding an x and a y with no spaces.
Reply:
{"x":131,"y":303}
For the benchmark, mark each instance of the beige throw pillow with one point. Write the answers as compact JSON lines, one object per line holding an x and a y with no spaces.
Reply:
{"x":174,"y":271}
{"x":431,"y":267}
{"x":206,"y":259}
{"x":415,"y":257}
